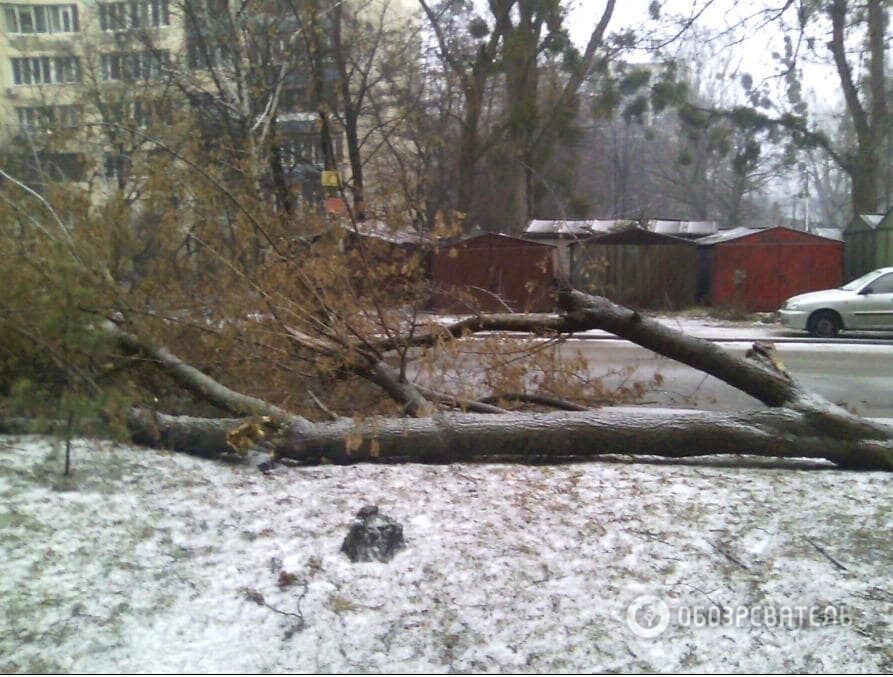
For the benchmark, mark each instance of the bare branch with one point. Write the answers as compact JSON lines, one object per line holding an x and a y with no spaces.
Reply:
{"x":201,"y":384}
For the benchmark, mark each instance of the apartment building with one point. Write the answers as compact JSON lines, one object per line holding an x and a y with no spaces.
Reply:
{"x":56,"y":58}
{"x":76,"y":76}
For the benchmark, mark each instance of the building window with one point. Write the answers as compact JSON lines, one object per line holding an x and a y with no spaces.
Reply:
{"x":41,"y":18}
{"x":140,"y":114}
{"x":301,"y":150}
{"x":46,"y":70}
{"x":133,"y":15}
{"x":44,"y":118}
{"x":117,"y":167}
{"x":209,"y":34}
{"x":58,"y":167}
{"x":205,"y":52}
{"x":130,"y":66}
{"x":295,"y":99}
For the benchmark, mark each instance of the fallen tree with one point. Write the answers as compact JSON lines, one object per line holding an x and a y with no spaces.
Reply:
{"x":795,"y":423}
{"x":446,"y":438}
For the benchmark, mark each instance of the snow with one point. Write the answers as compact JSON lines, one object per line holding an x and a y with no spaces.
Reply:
{"x":727,"y":235}
{"x":673,"y":227}
{"x":146,"y":561}
{"x":572,"y":226}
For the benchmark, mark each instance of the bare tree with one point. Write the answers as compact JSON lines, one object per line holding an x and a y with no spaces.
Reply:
{"x":374,"y":51}
{"x":512,"y":42}
{"x":853,"y":38}
{"x":473,"y":65}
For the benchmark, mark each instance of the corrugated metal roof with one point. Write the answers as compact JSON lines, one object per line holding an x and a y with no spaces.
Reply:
{"x":727,"y":235}
{"x":737,"y":233}
{"x":637,"y":236}
{"x":572,"y":227}
{"x":580,"y":227}
{"x":866,"y":222}
{"x":383,"y":231}
{"x":830,"y":233}
{"x":872,"y":219}
{"x":496,"y":237}
{"x":691,"y":228}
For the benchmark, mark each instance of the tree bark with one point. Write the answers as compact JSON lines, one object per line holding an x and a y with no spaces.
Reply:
{"x":871,"y":121}
{"x":468,"y":151}
{"x":351,"y":104}
{"x":202,"y":385}
{"x":452,"y":438}
{"x":208,"y":437}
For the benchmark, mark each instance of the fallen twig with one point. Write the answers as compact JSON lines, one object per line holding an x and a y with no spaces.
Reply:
{"x":824,"y":552}
{"x":729,"y":557}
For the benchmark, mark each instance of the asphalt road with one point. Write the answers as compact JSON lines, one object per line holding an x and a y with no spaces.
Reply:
{"x":744,"y":332}
{"x":855,"y":372}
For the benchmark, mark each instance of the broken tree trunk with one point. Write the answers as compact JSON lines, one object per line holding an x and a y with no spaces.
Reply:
{"x":190,"y":434}
{"x":761,"y":374}
{"x":446,"y":438}
{"x":796,"y":424}
{"x":202,"y":385}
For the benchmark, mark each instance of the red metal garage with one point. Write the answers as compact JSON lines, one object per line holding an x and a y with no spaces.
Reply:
{"x":757,"y":269}
{"x":493,"y":273}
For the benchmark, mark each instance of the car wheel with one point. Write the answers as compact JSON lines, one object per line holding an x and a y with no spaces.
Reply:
{"x":824,"y":324}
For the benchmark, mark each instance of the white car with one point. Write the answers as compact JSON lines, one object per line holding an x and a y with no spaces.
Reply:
{"x":863,"y":304}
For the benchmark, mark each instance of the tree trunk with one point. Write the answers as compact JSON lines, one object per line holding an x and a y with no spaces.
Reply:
{"x":474,"y":79}
{"x":871,"y":120}
{"x":320,"y":89}
{"x":865,"y":176}
{"x":521,"y":94}
{"x":451,"y":438}
{"x":469,"y":143}
{"x":351,"y":106}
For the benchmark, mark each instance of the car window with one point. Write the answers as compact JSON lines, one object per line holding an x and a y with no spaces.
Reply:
{"x":882,"y":285}
{"x":859,"y":281}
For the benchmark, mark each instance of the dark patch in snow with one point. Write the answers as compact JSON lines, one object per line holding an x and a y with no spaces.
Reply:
{"x":373,"y":536}
{"x":266,"y":466}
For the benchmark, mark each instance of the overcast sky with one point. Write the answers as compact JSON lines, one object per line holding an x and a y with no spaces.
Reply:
{"x":753,"y":53}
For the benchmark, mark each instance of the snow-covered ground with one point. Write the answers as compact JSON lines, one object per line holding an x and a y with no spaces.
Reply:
{"x":153,"y":562}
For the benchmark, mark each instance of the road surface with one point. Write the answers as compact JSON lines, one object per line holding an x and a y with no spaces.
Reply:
{"x":855,"y":370}
{"x":741,"y":331}
{"x":857,"y":374}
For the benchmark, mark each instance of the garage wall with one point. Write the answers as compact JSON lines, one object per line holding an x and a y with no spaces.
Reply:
{"x":637,"y":268}
{"x":493,"y":273}
{"x":757,"y":272}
